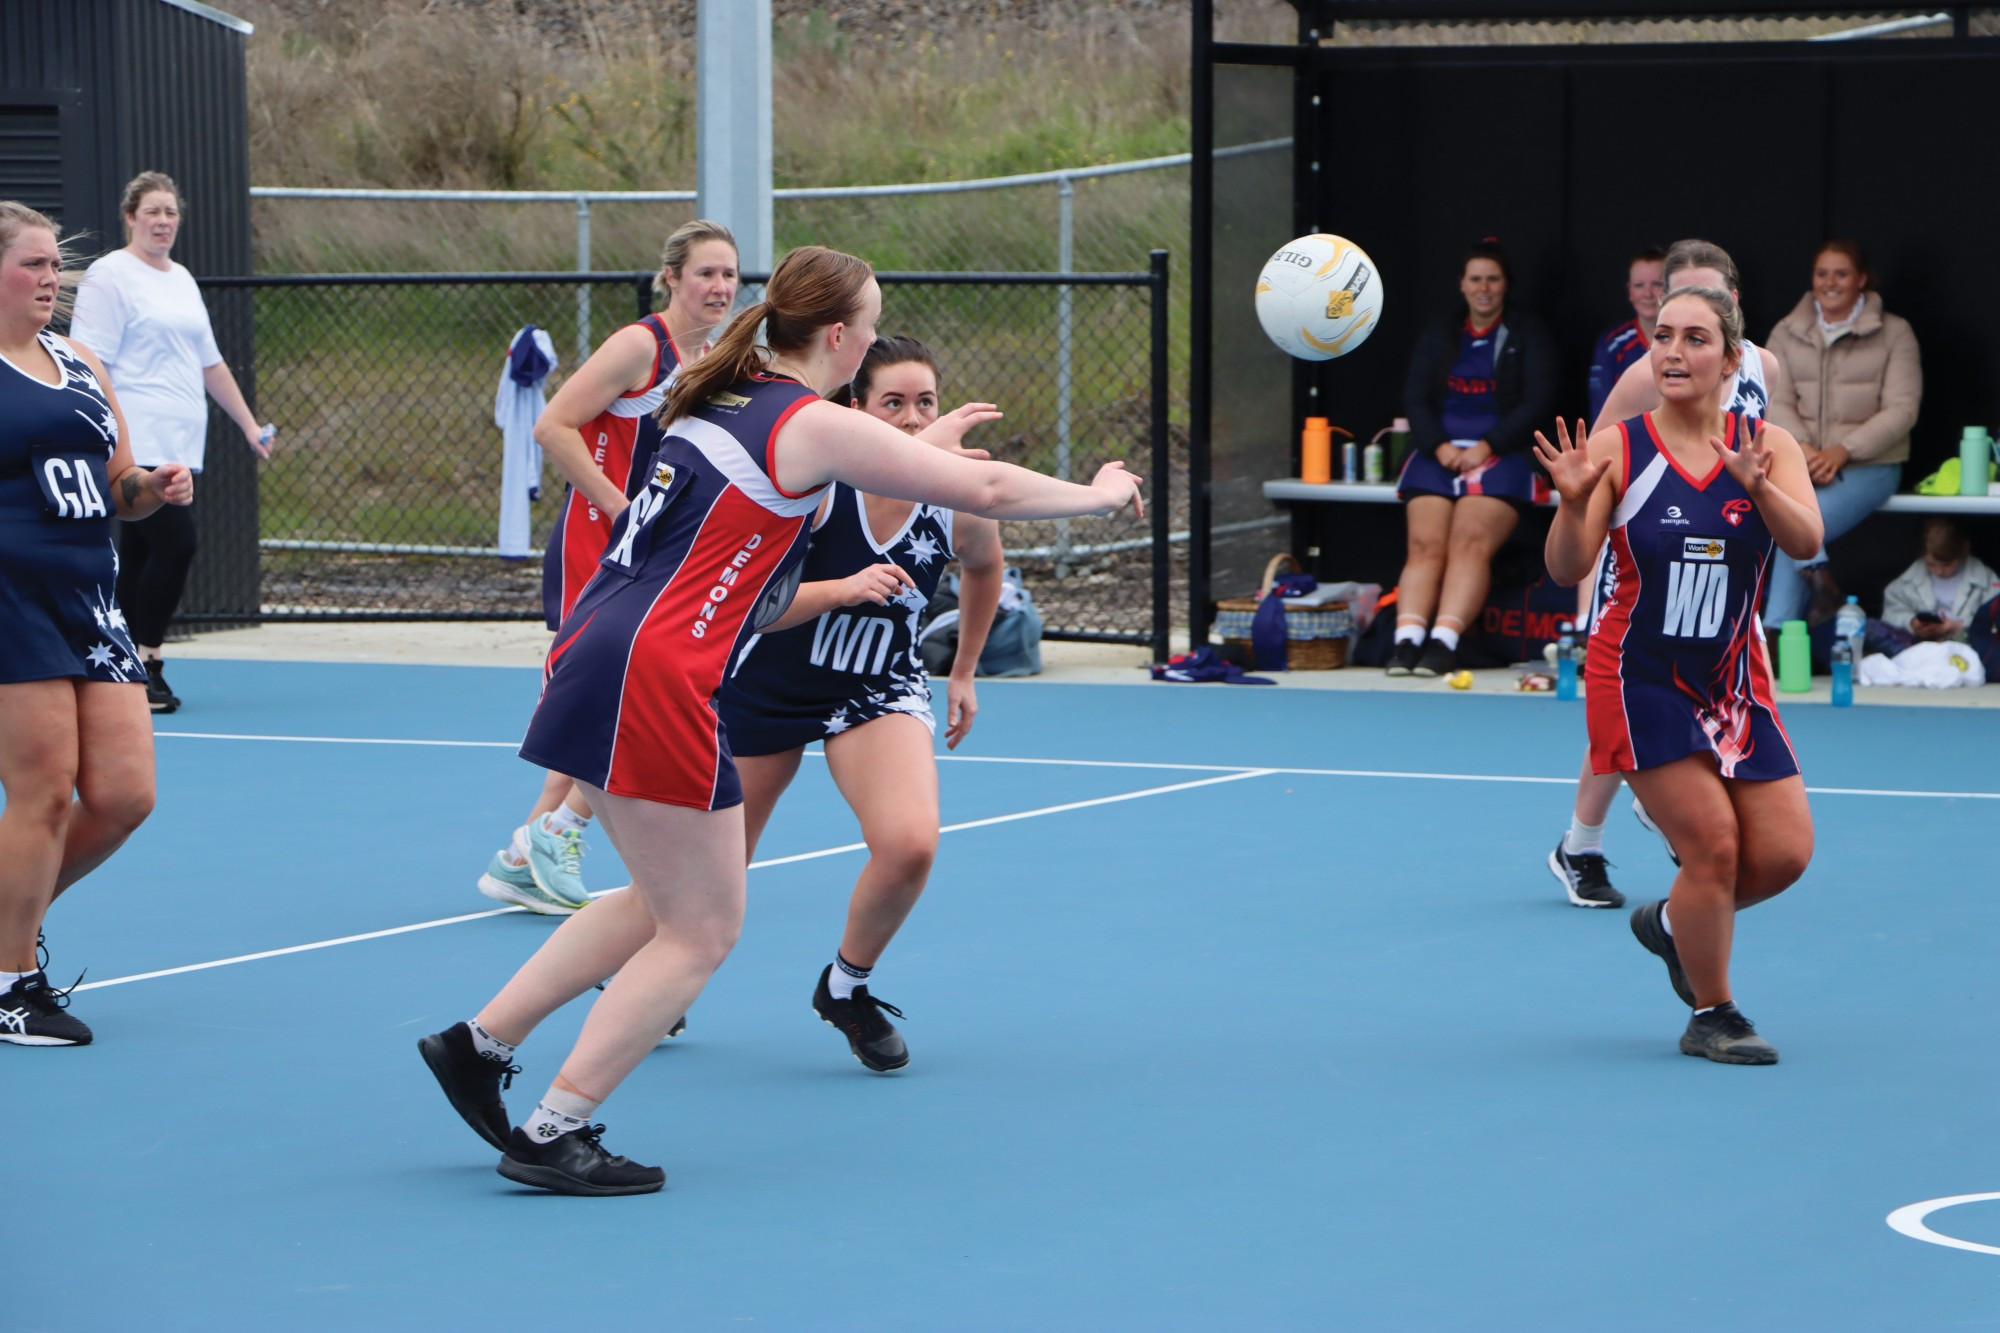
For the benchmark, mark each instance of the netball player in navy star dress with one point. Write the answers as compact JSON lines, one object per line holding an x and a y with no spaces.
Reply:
{"x":600,"y":421}
{"x":76,"y":738}
{"x":843,"y":667}
{"x":1693,"y":500}
{"x":1578,"y":861}
{"x":707,"y":553}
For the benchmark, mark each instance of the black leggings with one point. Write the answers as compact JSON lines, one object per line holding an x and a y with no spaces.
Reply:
{"x":153,"y":558}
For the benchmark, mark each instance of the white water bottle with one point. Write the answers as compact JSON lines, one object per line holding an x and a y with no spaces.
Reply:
{"x":1851,"y":624}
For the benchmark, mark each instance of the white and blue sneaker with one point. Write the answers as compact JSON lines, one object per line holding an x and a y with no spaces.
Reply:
{"x":515,"y":885}
{"x":556,"y":861}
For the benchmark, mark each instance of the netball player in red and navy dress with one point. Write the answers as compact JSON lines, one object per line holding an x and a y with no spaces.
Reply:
{"x":843,"y":667}
{"x":707,"y":553}
{"x":598,"y":423}
{"x":1679,"y":700}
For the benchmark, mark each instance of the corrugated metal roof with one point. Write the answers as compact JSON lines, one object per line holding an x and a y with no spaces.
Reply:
{"x":212,"y":14}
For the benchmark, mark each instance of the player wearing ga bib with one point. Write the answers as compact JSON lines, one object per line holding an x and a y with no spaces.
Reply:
{"x":622,"y":433}
{"x":708,"y":550}
{"x":1678,"y":664}
{"x":853,"y":663}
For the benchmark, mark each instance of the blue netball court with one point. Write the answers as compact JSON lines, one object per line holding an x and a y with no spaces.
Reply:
{"x":1229,"y":1008}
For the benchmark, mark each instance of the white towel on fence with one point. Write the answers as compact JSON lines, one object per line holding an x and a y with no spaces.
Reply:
{"x":531,"y":355}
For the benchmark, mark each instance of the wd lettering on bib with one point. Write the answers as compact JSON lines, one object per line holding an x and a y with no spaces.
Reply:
{"x":843,"y":641}
{"x":1697,"y":598}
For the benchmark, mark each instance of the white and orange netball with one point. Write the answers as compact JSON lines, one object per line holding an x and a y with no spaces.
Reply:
{"x":1319,"y":297}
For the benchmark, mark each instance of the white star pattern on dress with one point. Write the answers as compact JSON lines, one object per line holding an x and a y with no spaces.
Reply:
{"x":103,"y":620}
{"x":923,"y":549}
{"x":837,"y":722}
{"x":117,"y":619}
{"x":100,"y":656}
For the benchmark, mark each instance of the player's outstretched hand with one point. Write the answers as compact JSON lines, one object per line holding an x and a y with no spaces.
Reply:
{"x":949,"y":429}
{"x":1750,"y":462}
{"x":173,"y":482}
{"x":1569,"y":464}
{"x":962,"y":707}
{"x":880,"y":584}
{"x":1121,"y":487}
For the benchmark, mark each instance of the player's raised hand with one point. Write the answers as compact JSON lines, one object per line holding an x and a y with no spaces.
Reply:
{"x":880,"y":584}
{"x":173,"y":482}
{"x":949,"y":429}
{"x":1568,"y":463}
{"x":1750,"y":462}
{"x":1122,"y":487}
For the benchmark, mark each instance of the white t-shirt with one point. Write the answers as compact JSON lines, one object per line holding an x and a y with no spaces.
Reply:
{"x":152,"y":332}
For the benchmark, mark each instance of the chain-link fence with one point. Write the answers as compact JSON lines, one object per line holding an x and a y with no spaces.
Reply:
{"x":383,"y":500}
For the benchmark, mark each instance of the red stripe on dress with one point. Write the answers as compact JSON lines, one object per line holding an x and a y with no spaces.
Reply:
{"x":666,"y":744}
{"x":1604,"y":667}
{"x":584,"y":538}
{"x":771,"y":451}
{"x":1760,"y":672}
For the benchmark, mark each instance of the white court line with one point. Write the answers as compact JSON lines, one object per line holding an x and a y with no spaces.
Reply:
{"x":1246,"y":769}
{"x":754,"y":865}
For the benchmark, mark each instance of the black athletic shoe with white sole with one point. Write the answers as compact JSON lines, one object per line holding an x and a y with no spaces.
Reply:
{"x":1403,"y":658}
{"x":1646,"y":823}
{"x":33,"y":1013}
{"x":576,"y":1163}
{"x":472,"y":1082}
{"x":1584,"y":878}
{"x":160,"y":697}
{"x":1725,"y":1036}
{"x":873,"y":1038}
{"x":1646,"y":928}
{"x":1435,"y":660}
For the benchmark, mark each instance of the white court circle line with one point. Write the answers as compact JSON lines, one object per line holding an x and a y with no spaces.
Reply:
{"x":1909,"y":1219}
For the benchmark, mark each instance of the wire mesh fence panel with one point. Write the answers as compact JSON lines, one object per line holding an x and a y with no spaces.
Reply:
{"x":385,"y":500}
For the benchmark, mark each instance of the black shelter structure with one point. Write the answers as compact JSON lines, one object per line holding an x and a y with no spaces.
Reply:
{"x":92,"y":92}
{"x":1575,"y":156}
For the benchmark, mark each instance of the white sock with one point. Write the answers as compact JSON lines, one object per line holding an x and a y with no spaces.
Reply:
{"x":7,"y":979}
{"x":1410,"y":633}
{"x":489,"y":1046}
{"x":515,"y":853}
{"x":1711,"y":1009}
{"x":558,"y":1113}
{"x":840,"y":982}
{"x":1665,"y":924}
{"x":1583,"y":839}
{"x":562,"y":819}
{"x":1445,"y":635}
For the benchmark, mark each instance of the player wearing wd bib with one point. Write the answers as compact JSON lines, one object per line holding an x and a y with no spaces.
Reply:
{"x":620,"y":433}
{"x":706,"y":554}
{"x":1693,"y":500}
{"x":1678,"y":663}
{"x":853,"y":663}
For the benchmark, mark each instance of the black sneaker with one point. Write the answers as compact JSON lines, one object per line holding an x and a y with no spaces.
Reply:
{"x":472,"y":1082}
{"x":873,"y":1039}
{"x":1725,"y":1036}
{"x":1647,"y":930}
{"x":1403,"y":658}
{"x":32,"y":1014}
{"x":1584,"y":879}
{"x":158,"y":697}
{"x":1435,"y":660}
{"x":576,"y":1163}
{"x":1646,"y":823}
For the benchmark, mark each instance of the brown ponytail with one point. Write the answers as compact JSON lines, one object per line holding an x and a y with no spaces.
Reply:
{"x":811,"y":288}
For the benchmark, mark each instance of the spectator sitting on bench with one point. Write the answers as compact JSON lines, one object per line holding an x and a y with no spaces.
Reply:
{"x":1936,"y":597}
{"x":1479,"y":384}
{"x":1621,"y":345}
{"x":1856,"y":383}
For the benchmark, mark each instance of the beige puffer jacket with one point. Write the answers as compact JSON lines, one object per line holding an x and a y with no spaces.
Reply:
{"x":1861,"y":392}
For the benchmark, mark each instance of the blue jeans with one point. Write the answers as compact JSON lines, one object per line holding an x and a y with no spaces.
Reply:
{"x":1855,"y":494}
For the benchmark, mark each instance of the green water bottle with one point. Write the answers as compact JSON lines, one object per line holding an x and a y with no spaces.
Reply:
{"x":1794,"y":658}
{"x":1975,"y":467}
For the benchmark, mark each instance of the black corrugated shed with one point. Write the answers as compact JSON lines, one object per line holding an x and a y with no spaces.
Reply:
{"x":92,"y":92}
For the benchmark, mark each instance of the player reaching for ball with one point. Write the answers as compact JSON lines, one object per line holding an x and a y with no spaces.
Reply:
{"x":1692,"y":499}
{"x":706,"y":555}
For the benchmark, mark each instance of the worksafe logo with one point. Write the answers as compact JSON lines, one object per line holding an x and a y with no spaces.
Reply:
{"x":1701,"y":548}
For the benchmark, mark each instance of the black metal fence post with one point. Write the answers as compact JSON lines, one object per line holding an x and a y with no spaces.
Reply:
{"x":1162,"y":469}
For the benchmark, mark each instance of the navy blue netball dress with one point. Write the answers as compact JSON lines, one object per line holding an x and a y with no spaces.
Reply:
{"x":58,"y":614}
{"x":854,"y":663}
{"x":1678,"y":665}
{"x":706,"y":554}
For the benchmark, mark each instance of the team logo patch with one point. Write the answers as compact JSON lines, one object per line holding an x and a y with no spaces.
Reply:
{"x":1673,"y":511}
{"x":1701,"y":548}
{"x":727,"y":399}
{"x":663,"y":475}
{"x":1733,"y":512}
